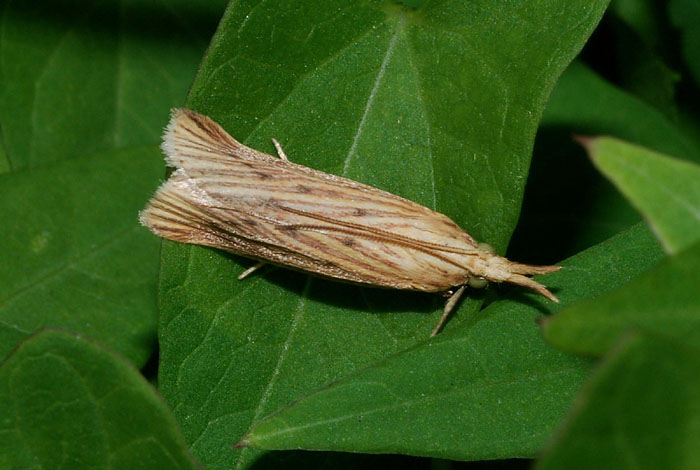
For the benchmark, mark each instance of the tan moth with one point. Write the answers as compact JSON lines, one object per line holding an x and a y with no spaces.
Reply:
{"x":229,"y":196}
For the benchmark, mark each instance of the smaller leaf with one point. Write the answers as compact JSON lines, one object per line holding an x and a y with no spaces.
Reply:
{"x":66,"y":402}
{"x":642,"y":69}
{"x":666,"y":190}
{"x":587,"y":209}
{"x":644,"y":17}
{"x":684,"y":16}
{"x":663,"y":300}
{"x":640,"y":410}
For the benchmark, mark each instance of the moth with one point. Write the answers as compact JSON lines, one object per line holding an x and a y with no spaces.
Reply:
{"x":232,"y":197}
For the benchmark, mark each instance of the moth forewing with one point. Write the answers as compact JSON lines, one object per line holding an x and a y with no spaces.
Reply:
{"x":229,"y":196}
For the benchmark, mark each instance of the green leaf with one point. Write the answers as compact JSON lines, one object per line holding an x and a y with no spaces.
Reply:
{"x":639,"y":66}
{"x":4,"y":162}
{"x":685,"y":16}
{"x":78,"y":78}
{"x":492,"y":389}
{"x":664,"y":189}
{"x":663,"y":300}
{"x":585,"y":209}
{"x":74,"y":254}
{"x":66,"y":402}
{"x":399,"y":116}
{"x":639,"y":410}
{"x":81,"y":77}
{"x":586,"y":104}
{"x":439,"y":105}
{"x":645,"y":17}
{"x":644,"y":60}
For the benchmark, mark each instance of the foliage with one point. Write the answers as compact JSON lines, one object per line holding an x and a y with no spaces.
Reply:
{"x":455,"y":105}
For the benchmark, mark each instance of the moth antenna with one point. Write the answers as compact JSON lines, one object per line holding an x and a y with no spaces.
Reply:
{"x":533,"y":285}
{"x":528,"y":269}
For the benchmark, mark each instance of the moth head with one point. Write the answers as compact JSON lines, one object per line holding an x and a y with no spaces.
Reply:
{"x":477,"y":282}
{"x":496,"y":268}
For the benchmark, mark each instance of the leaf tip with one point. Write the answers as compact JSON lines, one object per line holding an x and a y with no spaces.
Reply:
{"x":585,"y":141}
{"x":242,"y":443}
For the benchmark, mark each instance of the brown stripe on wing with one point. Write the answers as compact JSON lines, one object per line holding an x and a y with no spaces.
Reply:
{"x":177,"y":218}
{"x":379,"y":238}
{"x":383,"y":234}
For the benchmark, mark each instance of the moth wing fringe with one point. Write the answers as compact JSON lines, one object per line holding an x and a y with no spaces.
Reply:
{"x":175,"y":213}
{"x":193,"y":140}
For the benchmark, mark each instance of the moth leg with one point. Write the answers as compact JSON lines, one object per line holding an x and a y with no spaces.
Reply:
{"x":449,"y":307}
{"x":280,"y":152}
{"x":250,"y":270}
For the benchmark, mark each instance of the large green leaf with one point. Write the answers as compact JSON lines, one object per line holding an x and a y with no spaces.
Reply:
{"x":4,"y":162}
{"x":78,"y":77}
{"x":640,"y":410}
{"x":492,"y":389}
{"x":66,"y":402}
{"x":663,"y":300}
{"x":438,"y":104}
{"x":664,"y":189}
{"x":74,"y":255}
